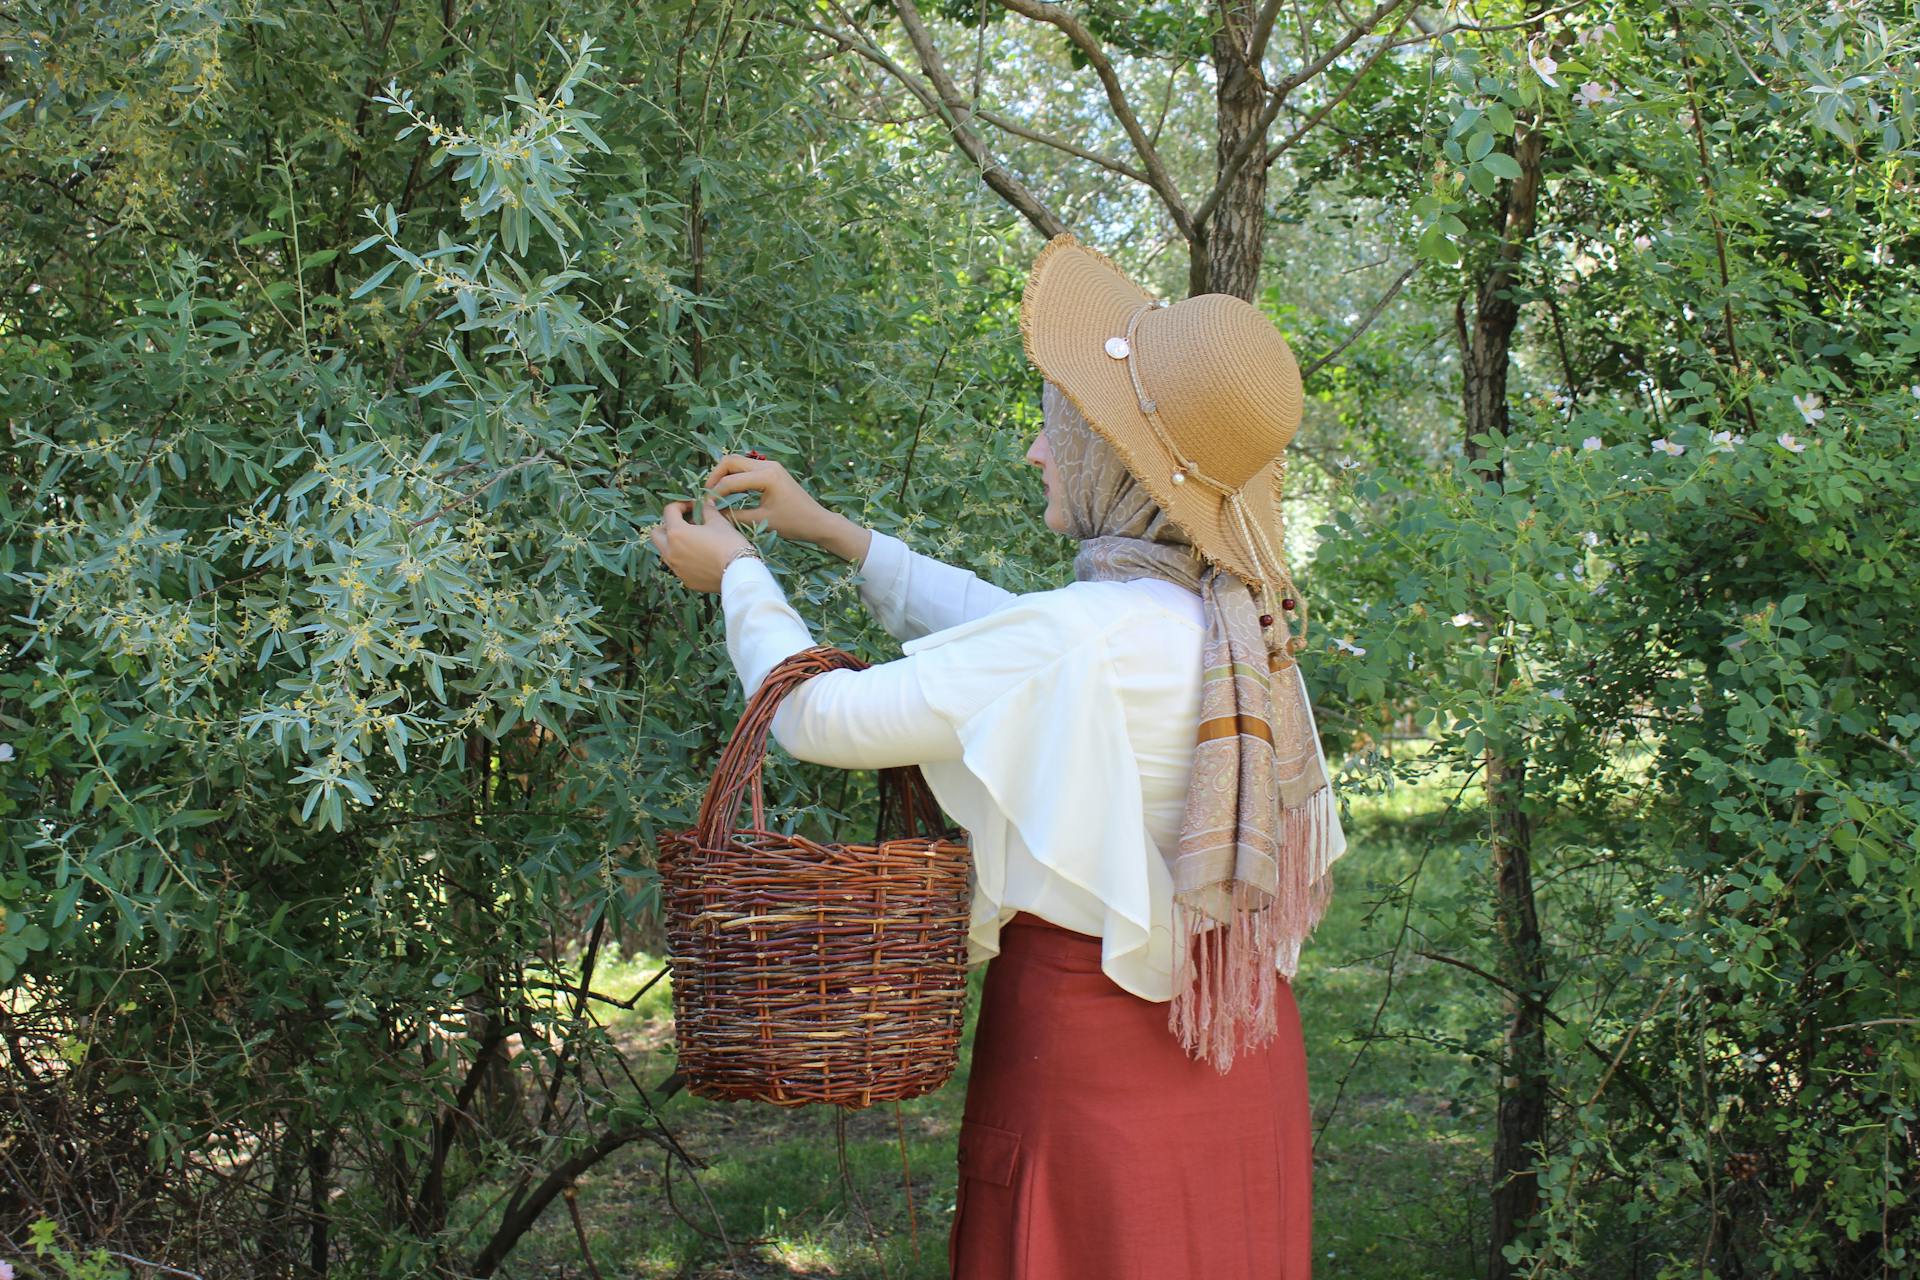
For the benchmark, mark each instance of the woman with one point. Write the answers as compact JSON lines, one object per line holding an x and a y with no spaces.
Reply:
{"x":1134,"y":758}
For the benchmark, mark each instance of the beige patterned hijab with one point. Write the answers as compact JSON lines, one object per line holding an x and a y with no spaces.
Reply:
{"x":1250,"y":875}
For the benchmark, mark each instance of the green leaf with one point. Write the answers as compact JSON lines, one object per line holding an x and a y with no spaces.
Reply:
{"x":1502,"y":165}
{"x":374,"y":281}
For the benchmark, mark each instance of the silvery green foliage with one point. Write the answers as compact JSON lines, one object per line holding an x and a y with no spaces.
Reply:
{"x":342,"y":698}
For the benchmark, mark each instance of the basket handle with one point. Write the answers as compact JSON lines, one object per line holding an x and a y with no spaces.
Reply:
{"x":904,"y":795}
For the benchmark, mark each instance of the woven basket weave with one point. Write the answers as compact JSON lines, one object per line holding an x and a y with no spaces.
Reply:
{"x":807,"y":972}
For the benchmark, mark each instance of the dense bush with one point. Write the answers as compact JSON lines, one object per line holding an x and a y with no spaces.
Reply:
{"x":343,"y":698}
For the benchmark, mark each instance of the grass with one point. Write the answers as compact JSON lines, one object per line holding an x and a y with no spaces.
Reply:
{"x":1400,"y":1181}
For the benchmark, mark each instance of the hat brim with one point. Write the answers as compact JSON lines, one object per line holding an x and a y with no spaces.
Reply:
{"x":1074,"y":300}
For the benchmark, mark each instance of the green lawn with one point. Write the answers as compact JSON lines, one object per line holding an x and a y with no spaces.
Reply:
{"x":1400,"y":1168}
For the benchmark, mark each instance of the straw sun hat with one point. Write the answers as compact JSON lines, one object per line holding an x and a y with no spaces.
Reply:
{"x":1198,"y":397}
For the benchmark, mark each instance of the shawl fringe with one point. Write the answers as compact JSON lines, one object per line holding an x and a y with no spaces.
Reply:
{"x":1224,"y":970}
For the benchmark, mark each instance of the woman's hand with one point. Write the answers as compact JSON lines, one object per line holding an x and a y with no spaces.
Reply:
{"x":785,"y":507}
{"x":696,"y":553}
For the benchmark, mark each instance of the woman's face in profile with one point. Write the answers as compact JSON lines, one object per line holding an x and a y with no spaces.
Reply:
{"x":1040,"y":454}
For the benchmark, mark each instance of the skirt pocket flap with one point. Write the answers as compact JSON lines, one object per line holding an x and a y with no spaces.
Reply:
{"x":988,"y":1153}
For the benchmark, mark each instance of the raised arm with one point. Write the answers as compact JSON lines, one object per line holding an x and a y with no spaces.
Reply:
{"x":911,"y":594}
{"x":875,"y":717}
{"x":869,"y":719}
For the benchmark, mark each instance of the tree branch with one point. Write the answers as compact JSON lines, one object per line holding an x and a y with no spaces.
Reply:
{"x":1366,"y":321}
{"x":1058,"y":17}
{"x":1282,"y":146}
{"x":1019,"y":130}
{"x":1262,"y":32}
{"x":944,"y":97}
{"x":1245,"y":150}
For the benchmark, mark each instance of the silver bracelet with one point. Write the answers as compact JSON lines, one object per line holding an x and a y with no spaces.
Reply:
{"x":744,"y":551}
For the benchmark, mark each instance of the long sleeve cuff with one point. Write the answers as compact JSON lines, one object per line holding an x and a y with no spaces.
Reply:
{"x":883,"y":574}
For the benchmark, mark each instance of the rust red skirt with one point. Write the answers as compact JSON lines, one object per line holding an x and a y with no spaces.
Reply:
{"x":1094,"y":1148}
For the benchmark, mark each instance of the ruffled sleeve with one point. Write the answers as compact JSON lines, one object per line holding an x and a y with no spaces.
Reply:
{"x":1047,"y":776}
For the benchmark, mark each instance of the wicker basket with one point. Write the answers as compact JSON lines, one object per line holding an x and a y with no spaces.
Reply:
{"x":806,"y":972}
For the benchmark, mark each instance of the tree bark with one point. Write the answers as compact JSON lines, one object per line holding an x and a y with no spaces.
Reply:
{"x":1521,"y":1117}
{"x":320,"y":1193}
{"x":1225,"y":253}
{"x":1496,"y":311}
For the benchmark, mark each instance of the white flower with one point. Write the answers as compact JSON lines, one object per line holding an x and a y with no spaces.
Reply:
{"x":1543,"y":65}
{"x":1558,"y":691}
{"x":6,"y":754}
{"x":1669,"y":448}
{"x":1350,"y":647}
{"x":1824,"y":211}
{"x":1809,"y":407}
{"x":1915,"y":388}
{"x":1643,"y":242}
{"x":1559,"y":576}
{"x":1591,"y":442}
{"x":1723,"y":438}
{"x":1347,"y":464}
{"x":1589,"y":537}
{"x":1880,"y":256}
{"x":1592,"y":94}
{"x":1788,"y":442}
{"x":1579,"y":570}
{"x":6,"y":1271}
{"x":1465,"y":620}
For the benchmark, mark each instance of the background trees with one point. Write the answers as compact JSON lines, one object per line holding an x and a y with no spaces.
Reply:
{"x":344,"y":353}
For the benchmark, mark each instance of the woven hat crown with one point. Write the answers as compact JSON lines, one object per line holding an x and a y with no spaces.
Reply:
{"x":1223,"y":382}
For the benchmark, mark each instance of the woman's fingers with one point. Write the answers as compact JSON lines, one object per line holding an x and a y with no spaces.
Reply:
{"x":731,"y":464}
{"x":737,"y":482}
{"x":671,"y":515}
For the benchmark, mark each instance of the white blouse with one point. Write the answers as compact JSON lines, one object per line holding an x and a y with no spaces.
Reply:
{"x":1056,"y":727}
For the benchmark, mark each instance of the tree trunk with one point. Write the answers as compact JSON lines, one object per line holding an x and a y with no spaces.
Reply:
{"x":1521,"y":1120}
{"x":319,"y":1197}
{"x":1225,"y":258}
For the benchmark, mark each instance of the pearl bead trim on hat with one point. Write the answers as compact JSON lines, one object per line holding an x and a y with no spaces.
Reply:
{"x":1120,"y":347}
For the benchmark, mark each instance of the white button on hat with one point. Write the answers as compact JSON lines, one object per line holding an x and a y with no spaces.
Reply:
{"x":1119,"y":348}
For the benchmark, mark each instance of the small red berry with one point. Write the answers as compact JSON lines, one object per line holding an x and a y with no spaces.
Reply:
{"x":1266,"y":619}
{"x":1287,"y":603}
{"x":755,"y":453}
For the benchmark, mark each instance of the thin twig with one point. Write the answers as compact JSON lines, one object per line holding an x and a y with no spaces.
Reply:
{"x":477,"y":490}
{"x":1059,"y":17}
{"x":1366,"y":322}
{"x":157,"y":1266}
{"x":580,"y":1230}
